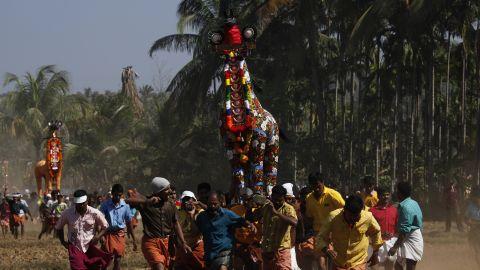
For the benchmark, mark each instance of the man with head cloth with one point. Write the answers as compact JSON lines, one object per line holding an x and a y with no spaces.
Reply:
{"x":160,"y":220}
{"x":83,"y":221}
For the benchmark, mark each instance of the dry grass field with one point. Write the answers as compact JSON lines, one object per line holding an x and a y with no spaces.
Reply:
{"x":442,"y":251}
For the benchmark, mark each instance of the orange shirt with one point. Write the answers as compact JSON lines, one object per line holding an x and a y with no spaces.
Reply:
{"x":246,"y":235}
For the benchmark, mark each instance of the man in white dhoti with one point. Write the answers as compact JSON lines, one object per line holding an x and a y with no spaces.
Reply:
{"x":386,"y":215}
{"x":409,"y":246}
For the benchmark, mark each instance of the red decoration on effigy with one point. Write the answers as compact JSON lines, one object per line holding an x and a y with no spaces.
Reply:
{"x":233,"y":35}
{"x":54,"y":154}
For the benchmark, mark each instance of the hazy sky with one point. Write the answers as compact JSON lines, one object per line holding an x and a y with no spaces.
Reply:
{"x":91,"y":39}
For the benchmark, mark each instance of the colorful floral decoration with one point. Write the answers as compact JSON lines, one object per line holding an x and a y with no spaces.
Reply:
{"x":54,"y":149}
{"x":250,"y":132}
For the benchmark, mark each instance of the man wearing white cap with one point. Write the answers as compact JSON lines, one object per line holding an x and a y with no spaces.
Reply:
{"x":160,"y":220}
{"x":290,"y":199}
{"x":83,"y":221}
{"x":186,"y":217}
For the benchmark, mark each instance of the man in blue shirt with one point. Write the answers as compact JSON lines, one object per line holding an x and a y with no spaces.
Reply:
{"x":409,"y":245}
{"x":119,"y":216}
{"x":217,"y":225}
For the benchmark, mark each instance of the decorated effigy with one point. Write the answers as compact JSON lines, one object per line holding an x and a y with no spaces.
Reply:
{"x":250,"y":132}
{"x":50,"y":168}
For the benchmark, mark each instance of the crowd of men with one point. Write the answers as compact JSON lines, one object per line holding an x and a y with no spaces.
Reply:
{"x":311,"y":228}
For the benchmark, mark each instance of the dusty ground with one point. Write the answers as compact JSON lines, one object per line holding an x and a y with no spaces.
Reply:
{"x":442,"y":251}
{"x":30,"y":253}
{"x":446,"y":251}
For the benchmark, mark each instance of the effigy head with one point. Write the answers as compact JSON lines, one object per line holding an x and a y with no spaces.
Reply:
{"x":55,"y":125}
{"x":232,"y":41}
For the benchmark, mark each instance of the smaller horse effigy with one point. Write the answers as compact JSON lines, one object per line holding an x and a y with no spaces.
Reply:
{"x":50,"y":168}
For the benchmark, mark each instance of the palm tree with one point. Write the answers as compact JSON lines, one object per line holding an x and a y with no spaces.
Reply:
{"x":34,"y":100}
{"x":191,"y":84}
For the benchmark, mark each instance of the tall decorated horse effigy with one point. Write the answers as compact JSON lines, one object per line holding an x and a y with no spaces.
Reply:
{"x":51,"y":167}
{"x":250,"y":132}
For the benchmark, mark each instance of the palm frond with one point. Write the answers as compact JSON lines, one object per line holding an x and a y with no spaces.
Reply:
{"x":6,"y":123}
{"x":200,"y":13}
{"x":58,"y":83}
{"x":191,"y":84}
{"x":47,"y":69}
{"x":19,"y":128}
{"x":183,"y":74}
{"x":11,"y":78}
{"x":70,"y":108}
{"x":176,"y":42}
{"x":35,"y":119}
{"x":184,"y":22}
{"x":363,"y":27}
{"x":118,"y":111}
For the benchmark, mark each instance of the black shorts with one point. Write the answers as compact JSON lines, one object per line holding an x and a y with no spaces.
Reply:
{"x":223,"y":258}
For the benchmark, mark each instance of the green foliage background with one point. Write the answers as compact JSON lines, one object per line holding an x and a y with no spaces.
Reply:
{"x":388,"y":88}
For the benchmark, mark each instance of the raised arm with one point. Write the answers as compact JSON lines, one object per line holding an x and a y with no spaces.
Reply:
{"x":290,"y":217}
{"x":138,"y":199}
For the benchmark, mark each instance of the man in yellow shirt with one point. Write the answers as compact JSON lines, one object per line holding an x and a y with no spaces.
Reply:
{"x":369,"y":195}
{"x":319,"y":203}
{"x":345,"y":236}
{"x":278,"y":219}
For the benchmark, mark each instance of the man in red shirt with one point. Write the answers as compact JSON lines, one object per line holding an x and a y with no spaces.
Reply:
{"x":386,"y":215}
